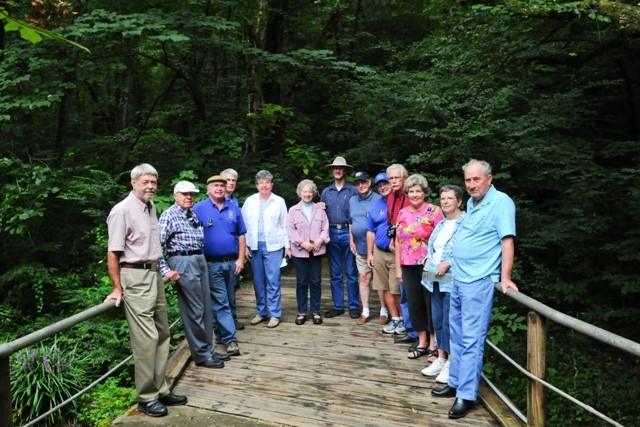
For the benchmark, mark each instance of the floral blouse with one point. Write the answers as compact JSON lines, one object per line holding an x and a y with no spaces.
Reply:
{"x":413,"y":230}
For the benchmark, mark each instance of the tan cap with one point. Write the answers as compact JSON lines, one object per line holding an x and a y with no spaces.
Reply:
{"x":216,"y":178}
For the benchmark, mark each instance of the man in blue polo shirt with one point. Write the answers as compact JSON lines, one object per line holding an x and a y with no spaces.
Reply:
{"x":483,"y":254}
{"x":224,"y":246}
{"x":336,"y":201}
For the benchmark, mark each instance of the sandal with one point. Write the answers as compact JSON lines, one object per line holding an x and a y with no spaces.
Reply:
{"x":317,"y":319}
{"x":300,"y":319}
{"x":418,"y":352}
{"x":433,"y":355}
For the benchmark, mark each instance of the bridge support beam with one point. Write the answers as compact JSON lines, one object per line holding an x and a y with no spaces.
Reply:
{"x":5,"y":393}
{"x":536,"y":364}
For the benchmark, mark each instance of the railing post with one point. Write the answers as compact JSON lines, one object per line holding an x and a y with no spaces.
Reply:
{"x":5,"y":392}
{"x":536,"y":364}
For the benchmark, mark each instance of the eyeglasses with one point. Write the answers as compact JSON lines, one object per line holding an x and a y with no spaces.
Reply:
{"x":394,"y":178}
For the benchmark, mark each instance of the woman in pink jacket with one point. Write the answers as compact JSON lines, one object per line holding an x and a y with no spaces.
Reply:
{"x":308,"y":232}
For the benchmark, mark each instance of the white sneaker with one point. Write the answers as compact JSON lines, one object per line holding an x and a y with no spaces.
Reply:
{"x":400,"y":329}
{"x":443,"y":377}
{"x":390,"y":327}
{"x":435,"y":368}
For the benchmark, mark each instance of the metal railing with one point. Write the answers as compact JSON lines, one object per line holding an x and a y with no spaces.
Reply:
{"x":7,"y":349}
{"x":536,"y":355}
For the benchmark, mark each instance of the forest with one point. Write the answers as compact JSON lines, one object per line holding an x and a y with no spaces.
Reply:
{"x":547,"y":91}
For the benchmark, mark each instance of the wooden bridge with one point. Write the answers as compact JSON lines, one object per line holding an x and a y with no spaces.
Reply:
{"x":334,"y":374}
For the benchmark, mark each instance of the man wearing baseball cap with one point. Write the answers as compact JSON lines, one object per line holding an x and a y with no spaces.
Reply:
{"x":182,"y":237}
{"x":336,"y":200}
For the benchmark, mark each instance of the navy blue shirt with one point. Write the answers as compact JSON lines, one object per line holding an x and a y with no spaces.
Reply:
{"x":222,"y":227}
{"x":377,"y":223}
{"x":337,"y":202}
{"x":359,"y":208}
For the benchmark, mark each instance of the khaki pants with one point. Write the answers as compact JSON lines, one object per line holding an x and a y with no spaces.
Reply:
{"x":145,"y":307}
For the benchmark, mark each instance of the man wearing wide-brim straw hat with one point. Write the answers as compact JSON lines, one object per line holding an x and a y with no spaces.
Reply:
{"x":336,"y":199}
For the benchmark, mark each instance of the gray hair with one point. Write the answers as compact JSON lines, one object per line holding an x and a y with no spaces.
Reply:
{"x":143,"y":169}
{"x":457,"y":191}
{"x":306,"y":183}
{"x":263,"y":174}
{"x":485,"y":165}
{"x":229,"y":171}
{"x":401,"y":168}
{"x":417,"y":179}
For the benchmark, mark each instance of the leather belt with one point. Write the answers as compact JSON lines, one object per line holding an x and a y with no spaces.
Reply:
{"x":229,"y":258}
{"x":153,"y":266}
{"x":339,"y":226}
{"x":185,"y":253}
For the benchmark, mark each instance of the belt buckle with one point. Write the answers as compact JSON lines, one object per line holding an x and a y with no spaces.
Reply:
{"x":153,"y":266}
{"x":339,"y":226}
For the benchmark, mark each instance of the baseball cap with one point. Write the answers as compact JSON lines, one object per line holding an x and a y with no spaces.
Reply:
{"x":381,"y":177}
{"x":185,"y":187}
{"x":360,"y":176}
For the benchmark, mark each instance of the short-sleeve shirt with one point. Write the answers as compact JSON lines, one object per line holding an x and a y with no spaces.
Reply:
{"x":477,"y":244}
{"x":377,"y":223}
{"x":134,"y":231}
{"x":337,"y":202}
{"x":359,"y":208}
{"x":414,"y":227}
{"x":222,"y":227}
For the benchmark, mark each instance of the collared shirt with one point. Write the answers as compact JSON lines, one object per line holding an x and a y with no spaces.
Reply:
{"x":275,"y":222}
{"x":134,"y":231}
{"x":358,"y":213}
{"x":377,"y":223}
{"x":302,"y":229}
{"x":337,"y":202}
{"x":446,"y":251}
{"x":179,"y":233}
{"x":477,"y":244}
{"x":222,"y":227}
{"x":396,"y":201}
{"x":414,"y":230}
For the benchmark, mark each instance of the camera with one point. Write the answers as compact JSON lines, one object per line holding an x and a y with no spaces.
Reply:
{"x":391,"y":231}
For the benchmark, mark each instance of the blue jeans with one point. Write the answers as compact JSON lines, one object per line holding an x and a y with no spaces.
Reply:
{"x":469,"y":317}
{"x":218,"y":274}
{"x":340,"y":255}
{"x":440,"y":316}
{"x":265,"y":267}
{"x":308,"y":272}
{"x":404,"y":307}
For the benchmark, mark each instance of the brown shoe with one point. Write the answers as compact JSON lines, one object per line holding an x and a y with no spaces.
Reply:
{"x":362,"y":320}
{"x":384,"y":319}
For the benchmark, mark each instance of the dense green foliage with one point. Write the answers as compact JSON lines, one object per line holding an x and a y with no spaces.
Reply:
{"x":547,"y":91}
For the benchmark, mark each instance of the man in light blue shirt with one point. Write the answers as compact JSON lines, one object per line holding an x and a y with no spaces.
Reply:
{"x":483,"y":254}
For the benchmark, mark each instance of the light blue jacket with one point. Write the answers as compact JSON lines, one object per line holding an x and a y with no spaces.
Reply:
{"x":447,"y":254}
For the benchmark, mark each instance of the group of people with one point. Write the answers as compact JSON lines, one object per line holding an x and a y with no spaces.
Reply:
{"x":434,"y":268}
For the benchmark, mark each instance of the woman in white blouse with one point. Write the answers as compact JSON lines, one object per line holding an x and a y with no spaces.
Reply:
{"x":265,"y":215}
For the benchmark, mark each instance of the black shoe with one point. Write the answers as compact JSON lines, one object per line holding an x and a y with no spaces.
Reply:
{"x":445,"y":391}
{"x":354,"y":313}
{"x":222,"y":356}
{"x":173,"y":399}
{"x":404,"y":339}
{"x":155,"y":408}
{"x":214,"y":363}
{"x":239,"y":325}
{"x":460,"y":408}
{"x":333,"y":313}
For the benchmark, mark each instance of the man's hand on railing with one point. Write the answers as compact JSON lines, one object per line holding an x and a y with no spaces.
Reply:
{"x":508,"y":284}
{"x":115,"y":295}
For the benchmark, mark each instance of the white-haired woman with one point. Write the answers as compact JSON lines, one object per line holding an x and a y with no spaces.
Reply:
{"x":308,"y":232}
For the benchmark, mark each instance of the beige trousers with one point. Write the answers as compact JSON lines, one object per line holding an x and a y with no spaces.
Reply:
{"x":145,"y":307}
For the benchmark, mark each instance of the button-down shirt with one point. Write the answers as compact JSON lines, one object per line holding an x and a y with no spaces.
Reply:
{"x":477,"y":244}
{"x":275,"y":222}
{"x":134,"y":231}
{"x":358,"y":213}
{"x":300,"y":229}
{"x":337,"y":202}
{"x":222,"y":227}
{"x":396,"y":201}
{"x":377,"y":223}
{"x":180,"y":230}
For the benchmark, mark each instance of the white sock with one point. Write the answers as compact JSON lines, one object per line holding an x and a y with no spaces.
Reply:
{"x":396,"y":318}
{"x":365,"y":311}
{"x":384,"y":311}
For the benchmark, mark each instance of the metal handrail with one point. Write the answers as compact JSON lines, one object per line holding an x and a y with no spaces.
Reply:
{"x":7,"y":349}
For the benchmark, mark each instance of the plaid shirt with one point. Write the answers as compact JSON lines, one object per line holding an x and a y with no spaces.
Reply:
{"x":179,"y":232}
